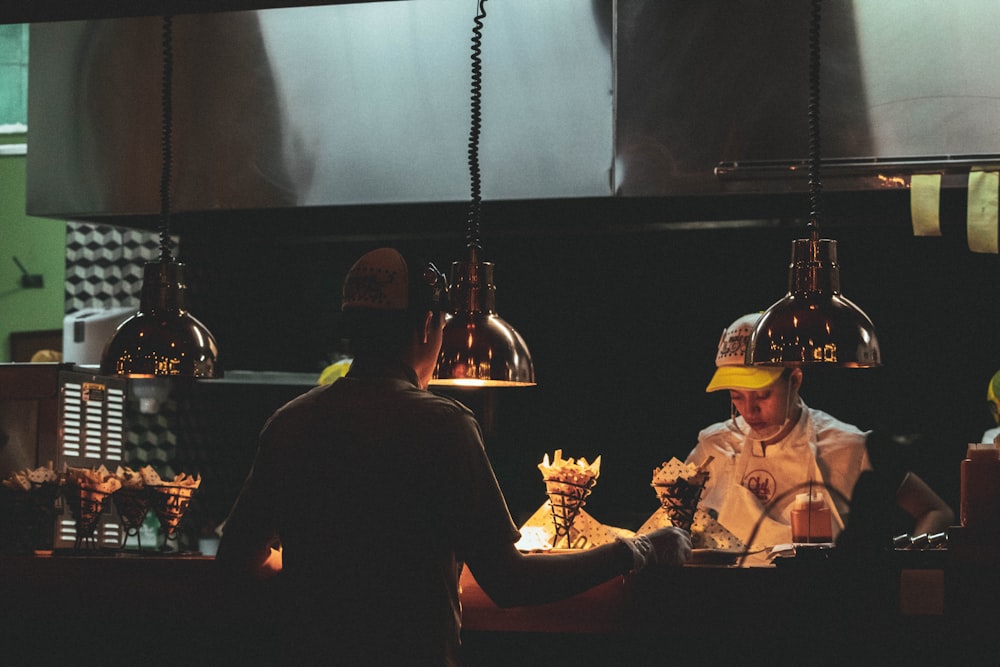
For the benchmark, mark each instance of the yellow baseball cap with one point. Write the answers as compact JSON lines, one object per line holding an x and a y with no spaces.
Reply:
{"x":731,"y":371}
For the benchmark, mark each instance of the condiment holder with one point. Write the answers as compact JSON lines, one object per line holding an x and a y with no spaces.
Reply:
{"x":132,"y":504}
{"x":30,"y":508}
{"x":86,"y":504}
{"x":568,"y":483}
{"x":565,"y":500}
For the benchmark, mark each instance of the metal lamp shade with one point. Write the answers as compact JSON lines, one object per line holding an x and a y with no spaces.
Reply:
{"x":163,"y":338}
{"x":479,"y":348}
{"x":814,"y":324}
{"x":482,"y":350}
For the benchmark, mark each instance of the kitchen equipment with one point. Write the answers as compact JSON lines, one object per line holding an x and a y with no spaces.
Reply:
{"x":28,"y":409}
{"x":53,"y":414}
{"x":979,"y":507}
{"x":86,"y":331}
{"x":92,"y":429}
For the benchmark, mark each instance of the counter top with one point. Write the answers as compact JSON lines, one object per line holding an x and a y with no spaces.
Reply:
{"x":697,"y":613}
{"x":895,"y":610}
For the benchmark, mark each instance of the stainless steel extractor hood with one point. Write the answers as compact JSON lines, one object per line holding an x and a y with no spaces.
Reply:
{"x":317,"y":106}
{"x":369,"y":103}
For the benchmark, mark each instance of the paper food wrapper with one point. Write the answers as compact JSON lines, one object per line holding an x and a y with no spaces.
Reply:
{"x":28,"y":479}
{"x":706,"y":532}
{"x":539,"y":533}
{"x":679,"y":487}
{"x":568,"y":482}
{"x":93,"y":481}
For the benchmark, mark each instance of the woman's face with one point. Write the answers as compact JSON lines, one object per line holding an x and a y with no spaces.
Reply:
{"x":765,"y":410}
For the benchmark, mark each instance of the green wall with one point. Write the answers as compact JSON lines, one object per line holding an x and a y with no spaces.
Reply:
{"x":39,"y":244}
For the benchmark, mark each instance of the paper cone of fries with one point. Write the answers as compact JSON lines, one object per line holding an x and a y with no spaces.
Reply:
{"x":678,"y":487}
{"x":568,"y":483}
{"x":132,"y":504}
{"x":131,"y":500}
{"x":86,"y":491}
{"x":170,"y":501}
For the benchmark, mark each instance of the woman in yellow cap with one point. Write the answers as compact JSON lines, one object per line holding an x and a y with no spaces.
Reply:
{"x":775,"y":448}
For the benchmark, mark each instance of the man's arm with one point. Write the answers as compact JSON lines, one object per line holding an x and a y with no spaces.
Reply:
{"x":242,"y":553}
{"x":512,"y":579}
{"x":250,"y":544}
{"x":930,"y":513}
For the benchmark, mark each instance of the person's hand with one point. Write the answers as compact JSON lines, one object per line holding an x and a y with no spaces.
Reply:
{"x":671,"y":546}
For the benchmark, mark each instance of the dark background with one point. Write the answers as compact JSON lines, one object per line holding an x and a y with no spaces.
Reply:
{"x":622,"y":303}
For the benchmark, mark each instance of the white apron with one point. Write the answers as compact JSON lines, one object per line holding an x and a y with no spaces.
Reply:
{"x":759,"y":477}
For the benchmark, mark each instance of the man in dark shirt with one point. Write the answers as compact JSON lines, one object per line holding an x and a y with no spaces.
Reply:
{"x":377,"y":490}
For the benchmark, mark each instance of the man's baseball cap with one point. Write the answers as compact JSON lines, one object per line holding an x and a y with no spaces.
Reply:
{"x":731,"y":370}
{"x":382,"y":280}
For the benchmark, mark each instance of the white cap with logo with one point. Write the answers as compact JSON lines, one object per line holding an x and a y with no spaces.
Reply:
{"x":731,"y":370}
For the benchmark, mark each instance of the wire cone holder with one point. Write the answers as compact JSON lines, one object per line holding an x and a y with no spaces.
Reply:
{"x":132,"y":504}
{"x":86,"y":504}
{"x":679,"y":499}
{"x":566,"y":499}
{"x":170,"y":502}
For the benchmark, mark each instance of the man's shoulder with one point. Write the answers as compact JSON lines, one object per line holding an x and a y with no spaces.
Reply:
{"x":438,"y":403}
{"x":388,"y":412}
{"x":390,"y":391}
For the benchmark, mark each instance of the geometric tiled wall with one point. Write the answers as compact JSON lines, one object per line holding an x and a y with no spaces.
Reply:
{"x":104,"y":265}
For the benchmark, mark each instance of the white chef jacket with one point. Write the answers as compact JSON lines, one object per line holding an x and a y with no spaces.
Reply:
{"x":991,"y":434}
{"x":745,"y":480}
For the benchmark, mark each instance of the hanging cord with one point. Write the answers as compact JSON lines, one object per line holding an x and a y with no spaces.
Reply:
{"x":815,"y":186}
{"x":475,"y":205}
{"x":166,"y":102}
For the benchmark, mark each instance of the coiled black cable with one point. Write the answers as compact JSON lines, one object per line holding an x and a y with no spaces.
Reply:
{"x":475,"y":178}
{"x":166,"y":143}
{"x":815,"y":186}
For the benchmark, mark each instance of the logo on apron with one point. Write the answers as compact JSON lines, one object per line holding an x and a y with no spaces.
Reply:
{"x":761,"y":484}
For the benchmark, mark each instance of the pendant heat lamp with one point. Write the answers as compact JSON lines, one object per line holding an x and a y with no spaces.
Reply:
{"x":814,"y":324}
{"x":478,"y":348}
{"x":163,"y":339}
